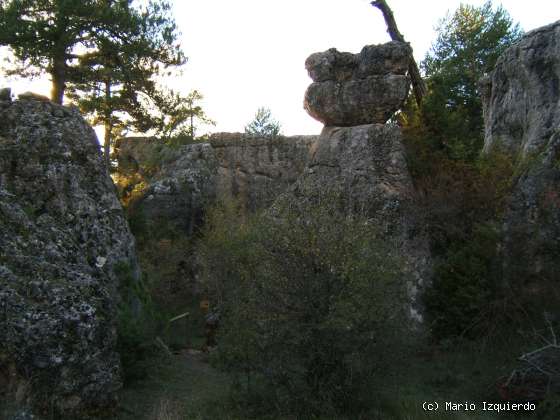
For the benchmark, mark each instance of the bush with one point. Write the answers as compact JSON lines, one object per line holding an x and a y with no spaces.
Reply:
{"x":312,"y":303}
{"x":464,"y":286}
{"x":137,"y":324}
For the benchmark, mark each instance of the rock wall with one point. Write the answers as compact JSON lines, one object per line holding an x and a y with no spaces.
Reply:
{"x":250,"y":168}
{"x":522,"y":117}
{"x":257,"y":169}
{"x":365,"y":167}
{"x":522,"y":94}
{"x":63,"y":236}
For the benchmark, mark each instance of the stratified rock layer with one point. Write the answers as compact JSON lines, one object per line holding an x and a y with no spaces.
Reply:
{"x":365,"y":167}
{"x":251,"y":169}
{"x":62,"y":235}
{"x":522,"y":117}
{"x":257,"y":169}
{"x":355,"y":89}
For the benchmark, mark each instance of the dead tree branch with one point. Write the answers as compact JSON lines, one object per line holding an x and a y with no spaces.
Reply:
{"x":418,"y":85}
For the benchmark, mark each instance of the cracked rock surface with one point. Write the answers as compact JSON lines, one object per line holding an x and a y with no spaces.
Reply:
{"x":355,"y":89}
{"x":365,"y":167}
{"x":250,"y":168}
{"x":522,"y":117}
{"x":62,"y":236}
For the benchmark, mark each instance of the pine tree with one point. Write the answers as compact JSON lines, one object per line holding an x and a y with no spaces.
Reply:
{"x":468,"y":44}
{"x":114,"y":84}
{"x":263,"y":124}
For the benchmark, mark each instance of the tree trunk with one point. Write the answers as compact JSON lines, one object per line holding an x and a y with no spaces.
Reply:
{"x":108,"y":123}
{"x":192,"y":125}
{"x":58,"y":77}
{"x":418,"y":85}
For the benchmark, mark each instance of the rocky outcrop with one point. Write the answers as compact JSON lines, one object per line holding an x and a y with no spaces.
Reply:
{"x":355,"y":89}
{"x":522,"y":95}
{"x":364,"y":167}
{"x":257,"y":169}
{"x":252,"y":169}
{"x":362,"y":163}
{"x":522,"y":117}
{"x":63,"y":239}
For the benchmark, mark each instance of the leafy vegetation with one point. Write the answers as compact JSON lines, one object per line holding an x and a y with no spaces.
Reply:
{"x":310,"y":303}
{"x":106,"y":57}
{"x":468,"y":43}
{"x":462,"y":192}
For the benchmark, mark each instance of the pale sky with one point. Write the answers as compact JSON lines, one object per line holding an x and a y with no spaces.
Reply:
{"x":249,"y":53}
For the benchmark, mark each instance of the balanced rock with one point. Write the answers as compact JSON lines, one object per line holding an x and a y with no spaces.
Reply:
{"x":522,"y":117}
{"x":355,"y":89}
{"x":63,"y":242}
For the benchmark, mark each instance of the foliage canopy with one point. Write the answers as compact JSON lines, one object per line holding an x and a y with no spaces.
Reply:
{"x":467,"y":47}
{"x":310,"y":302}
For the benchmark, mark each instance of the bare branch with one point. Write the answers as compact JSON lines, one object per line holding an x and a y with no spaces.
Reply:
{"x":418,"y":85}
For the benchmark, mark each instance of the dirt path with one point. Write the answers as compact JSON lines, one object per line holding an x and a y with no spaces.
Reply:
{"x":177,"y":387}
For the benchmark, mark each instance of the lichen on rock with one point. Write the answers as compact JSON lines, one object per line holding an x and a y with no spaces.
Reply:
{"x":522,"y":118}
{"x":62,"y":232}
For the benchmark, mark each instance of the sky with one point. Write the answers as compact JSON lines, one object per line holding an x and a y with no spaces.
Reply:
{"x":247,"y":54}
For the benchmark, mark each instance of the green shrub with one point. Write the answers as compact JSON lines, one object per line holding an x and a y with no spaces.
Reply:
{"x":312,"y":304}
{"x":137,"y":324}
{"x":464,"y":286}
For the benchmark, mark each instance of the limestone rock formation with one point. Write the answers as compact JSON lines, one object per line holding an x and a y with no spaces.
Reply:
{"x":181,"y":189}
{"x":257,"y":169}
{"x":250,"y":168}
{"x":365,"y":167}
{"x":63,"y":236}
{"x":355,"y":89}
{"x":522,"y":117}
{"x":522,"y":94}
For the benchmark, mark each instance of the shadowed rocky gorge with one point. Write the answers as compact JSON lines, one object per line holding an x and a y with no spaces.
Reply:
{"x":255,"y":276}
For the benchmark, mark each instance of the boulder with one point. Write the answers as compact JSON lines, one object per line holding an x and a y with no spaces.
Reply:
{"x":355,"y":89}
{"x":63,"y":242}
{"x":522,"y":118}
{"x":178,"y":194}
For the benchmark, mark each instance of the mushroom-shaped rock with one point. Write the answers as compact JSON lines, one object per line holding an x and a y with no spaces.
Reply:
{"x":355,"y":89}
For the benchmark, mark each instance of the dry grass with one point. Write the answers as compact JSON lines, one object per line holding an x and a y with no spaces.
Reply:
{"x":167,"y":409}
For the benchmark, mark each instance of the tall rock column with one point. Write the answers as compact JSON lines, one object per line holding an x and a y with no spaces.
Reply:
{"x":522,"y":119}
{"x":359,"y":156}
{"x":63,"y":243}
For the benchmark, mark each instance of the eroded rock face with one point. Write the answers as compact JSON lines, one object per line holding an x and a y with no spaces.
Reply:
{"x":62,"y":239}
{"x":179,"y":193}
{"x":252,"y":169}
{"x":365,"y":166}
{"x":257,"y":169}
{"x":522,"y":117}
{"x":523,"y":94}
{"x":355,"y":89}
